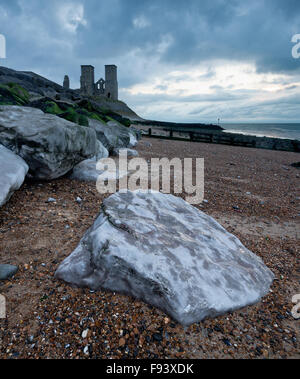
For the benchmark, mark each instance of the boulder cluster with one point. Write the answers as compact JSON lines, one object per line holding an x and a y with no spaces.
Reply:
{"x":47,"y":130}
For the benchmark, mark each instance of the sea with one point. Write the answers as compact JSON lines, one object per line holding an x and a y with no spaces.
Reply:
{"x":288,"y":131}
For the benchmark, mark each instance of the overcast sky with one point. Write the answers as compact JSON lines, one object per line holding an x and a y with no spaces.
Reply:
{"x":178,"y":60}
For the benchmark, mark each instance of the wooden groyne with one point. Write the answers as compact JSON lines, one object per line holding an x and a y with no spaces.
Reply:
{"x":220,"y":137}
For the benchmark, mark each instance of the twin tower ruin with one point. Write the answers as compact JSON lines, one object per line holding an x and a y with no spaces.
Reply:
{"x":107,"y":87}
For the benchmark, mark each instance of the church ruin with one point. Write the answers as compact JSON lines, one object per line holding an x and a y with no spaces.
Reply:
{"x":107,"y":87}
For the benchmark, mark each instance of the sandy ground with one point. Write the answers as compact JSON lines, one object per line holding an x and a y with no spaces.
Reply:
{"x":252,"y":193}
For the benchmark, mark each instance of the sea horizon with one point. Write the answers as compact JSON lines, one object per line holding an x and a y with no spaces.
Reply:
{"x":271,"y":129}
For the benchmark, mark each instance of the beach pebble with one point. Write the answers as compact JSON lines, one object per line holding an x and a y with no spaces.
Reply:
{"x":7,"y":271}
{"x":85,"y":333}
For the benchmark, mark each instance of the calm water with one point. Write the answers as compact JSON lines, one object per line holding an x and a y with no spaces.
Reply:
{"x":290,"y":131}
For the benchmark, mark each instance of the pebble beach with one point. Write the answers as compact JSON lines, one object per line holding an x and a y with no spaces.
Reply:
{"x":252,"y":193}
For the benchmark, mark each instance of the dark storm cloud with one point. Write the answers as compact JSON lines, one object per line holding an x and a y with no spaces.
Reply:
{"x":200,"y":30}
{"x":148,"y":38}
{"x":11,"y":6}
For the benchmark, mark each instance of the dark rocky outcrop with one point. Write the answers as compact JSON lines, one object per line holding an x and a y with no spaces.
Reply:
{"x":38,"y":86}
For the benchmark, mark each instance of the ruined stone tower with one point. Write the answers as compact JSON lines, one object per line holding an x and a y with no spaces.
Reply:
{"x":87,"y":80}
{"x":111,"y":82}
{"x":66,"y":84}
{"x":107,"y":87}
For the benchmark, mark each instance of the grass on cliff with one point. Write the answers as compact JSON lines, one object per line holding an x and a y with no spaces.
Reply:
{"x":14,"y":94}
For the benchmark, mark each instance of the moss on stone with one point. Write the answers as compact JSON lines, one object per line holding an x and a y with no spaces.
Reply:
{"x":19,"y":91}
{"x":13,"y":94}
{"x":95,"y":116}
{"x":70,"y":115}
{"x":82,"y":120}
{"x":53,"y":108}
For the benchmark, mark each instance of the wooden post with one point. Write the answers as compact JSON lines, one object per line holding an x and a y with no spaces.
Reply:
{"x":150,"y":132}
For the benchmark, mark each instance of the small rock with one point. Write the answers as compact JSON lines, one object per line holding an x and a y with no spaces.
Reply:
{"x":79,"y":200}
{"x":85,"y":333}
{"x":7,"y":271}
{"x":157,"y":337}
{"x":122,"y":342}
{"x":227,"y":342}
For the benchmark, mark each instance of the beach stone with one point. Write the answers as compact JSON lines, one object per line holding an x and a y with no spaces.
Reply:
{"x":7,"y":271}
{"x":296,"y":165}
{"x":51,"y":146}
{"x":51,"y":200}
{"x":87,"y":171}
{"x":159,"y":248}
{"x":129,"y":152}
{"x":101,"y":151}
{"x":13,"y":170}
{"x":113,"y":135}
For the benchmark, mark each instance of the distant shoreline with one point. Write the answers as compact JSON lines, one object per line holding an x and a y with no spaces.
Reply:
{"x":283,"y":131}
{"x":215,"y":135}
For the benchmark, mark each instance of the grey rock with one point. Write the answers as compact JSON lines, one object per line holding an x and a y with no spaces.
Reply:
{"x":51,"y":146}
{"x":147,"y":144}
{"x":51,"y":200}
{"x":13,"y":170}
{"x":113,"y":134}
{"x":87,"y":171}
{"x":101,"y":151}
{"x":7,"y":271}
{"x":32,"y":82}
{"x":129,"y":152}
{"x":159,"y":248}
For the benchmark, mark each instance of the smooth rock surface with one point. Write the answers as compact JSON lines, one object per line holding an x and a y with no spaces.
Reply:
{"x":51,"y":146}
{"x":13,"y":170}
{"x":158,"y":248}
{"x":101,"y":151}
{"x":7,"y":271}
{"x":129,"y":152}
{"x":87,"y":171}
{"x":113,"y":135}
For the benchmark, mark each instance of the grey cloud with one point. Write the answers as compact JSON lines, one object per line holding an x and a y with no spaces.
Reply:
{"x":198,"y":32}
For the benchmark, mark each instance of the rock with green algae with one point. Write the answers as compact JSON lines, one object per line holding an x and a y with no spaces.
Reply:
{"x":51,"y":146}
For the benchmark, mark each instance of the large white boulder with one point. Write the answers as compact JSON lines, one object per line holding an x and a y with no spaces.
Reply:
{"x":159,"y":248}
{"x":13,"y":170}
{"x":51,"y":146}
